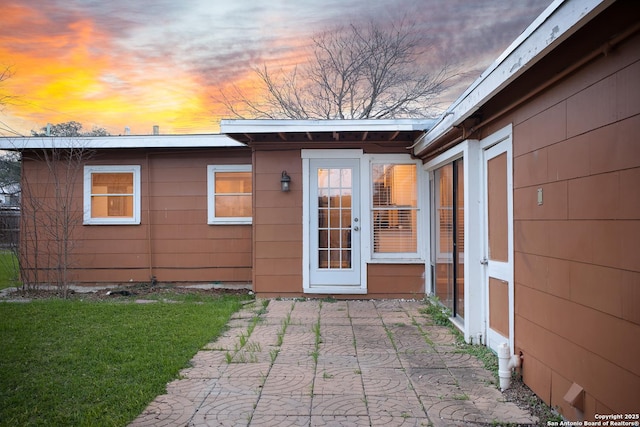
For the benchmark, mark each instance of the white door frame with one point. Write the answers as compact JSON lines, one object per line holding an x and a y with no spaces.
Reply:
{"x":494,"y":145}
{"x":361,"y":235}
{"x":470,"y":151}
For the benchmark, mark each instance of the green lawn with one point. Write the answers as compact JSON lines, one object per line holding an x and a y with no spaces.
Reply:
{"x":8,"y":270}
{"x":79,"y":363}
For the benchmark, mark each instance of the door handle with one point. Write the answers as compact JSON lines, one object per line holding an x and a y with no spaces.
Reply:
{"x":484,"y":261}
{"x":356,"y":228}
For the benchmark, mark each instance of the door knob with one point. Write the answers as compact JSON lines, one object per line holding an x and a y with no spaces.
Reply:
{"x":356,"y":228}
{"x":484,"y":261}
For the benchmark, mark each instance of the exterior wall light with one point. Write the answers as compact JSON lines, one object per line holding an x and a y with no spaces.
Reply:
{"x":285,"y":181}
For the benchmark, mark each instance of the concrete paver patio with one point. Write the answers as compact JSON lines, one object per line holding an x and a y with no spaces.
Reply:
{"x":343,"y":363}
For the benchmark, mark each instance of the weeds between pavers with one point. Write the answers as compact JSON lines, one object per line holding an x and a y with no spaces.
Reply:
{"x":243,"y":339}
{"x":318,"y":337}
{"x":525,"y":398}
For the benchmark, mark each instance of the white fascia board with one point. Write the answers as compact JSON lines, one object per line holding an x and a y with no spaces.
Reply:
{"x":370,"y":125}
{"x":132,"y":141}
{"x":554,"y":25}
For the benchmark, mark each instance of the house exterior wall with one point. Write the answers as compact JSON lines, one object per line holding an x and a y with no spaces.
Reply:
{"x":173,"y":241}
{"x":278,"y":236}
{"x":577,"y":255}
{"x":395,"y":280}
{"x":277,"y":224}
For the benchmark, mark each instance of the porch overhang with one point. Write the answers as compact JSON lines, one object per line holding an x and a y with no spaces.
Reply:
{"x":399,"y":133}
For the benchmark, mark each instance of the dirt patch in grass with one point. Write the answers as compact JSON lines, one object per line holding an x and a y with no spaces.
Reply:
{"x":159,"y":292}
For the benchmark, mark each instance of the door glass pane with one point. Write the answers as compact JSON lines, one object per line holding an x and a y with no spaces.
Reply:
{"x":345,"y":198}
{"x":323,"y":239}
{"x":444,"y":238}
{"x":334,"y":241}
{"x":334,"y":199}
{"x":323,"y":218}
{"x":323,"y":198}
{"x":334,"y":217}
{"x":323,"y":178}
{"x":335,"y":258}
{"x":449,"y":205}
{"x":346,"y":218}
{"x":459,"y":238}
{"x":323,"y":259}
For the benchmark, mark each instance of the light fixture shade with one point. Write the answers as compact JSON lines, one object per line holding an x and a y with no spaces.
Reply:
{"x":285,"y":182}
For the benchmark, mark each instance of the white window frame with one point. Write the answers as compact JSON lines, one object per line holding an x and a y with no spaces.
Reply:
{"x":88,"y":172}
{"x":211,"y":186}
{"x":398,"y":257}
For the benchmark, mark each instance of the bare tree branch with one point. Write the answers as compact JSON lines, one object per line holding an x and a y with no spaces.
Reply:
{"x":51,"y":214}
{"x":5,"y":74}
{"x":354,"y":72}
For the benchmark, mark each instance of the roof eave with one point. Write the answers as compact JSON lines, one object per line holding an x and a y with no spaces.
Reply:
{"x":557,"y":23}
{"x":120,"y":142}
{"x":300,"y":126}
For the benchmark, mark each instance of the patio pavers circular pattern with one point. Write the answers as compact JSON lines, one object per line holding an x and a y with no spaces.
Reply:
{"x":372,"y":363}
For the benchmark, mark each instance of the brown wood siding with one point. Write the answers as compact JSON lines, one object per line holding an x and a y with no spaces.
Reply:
{"x":395,"y":280}
{"x":39,"y":254}
{"x":174,"y":243}
{"x":498,"y":230}
{"x":577,"y":256}
{"x":278,"y":236}
{"x":277,"y":223}
{"x":499,"y":306}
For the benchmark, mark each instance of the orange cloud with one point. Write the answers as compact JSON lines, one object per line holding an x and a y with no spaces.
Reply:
{"x":71,"y":75}
{"x":142,"y":63}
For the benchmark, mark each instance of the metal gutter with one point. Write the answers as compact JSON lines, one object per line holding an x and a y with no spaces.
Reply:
{"x":112,"y":142}
{"x":285,"y":126}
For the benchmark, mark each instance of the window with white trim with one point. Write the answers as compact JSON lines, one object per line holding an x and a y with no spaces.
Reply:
{"x":112,"y":195}
{"x":229,"y":194}
{"x":394,"y":208}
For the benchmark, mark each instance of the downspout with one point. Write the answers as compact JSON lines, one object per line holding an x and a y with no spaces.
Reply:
{"x":465,"y":135}
{"x":423,"y":136}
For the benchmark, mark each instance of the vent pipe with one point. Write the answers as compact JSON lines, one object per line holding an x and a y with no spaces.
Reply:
{"x":156,"y":130}
{"x":506,"y":363}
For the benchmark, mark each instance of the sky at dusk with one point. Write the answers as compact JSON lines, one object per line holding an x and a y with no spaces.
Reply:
{"x":140,"y":63}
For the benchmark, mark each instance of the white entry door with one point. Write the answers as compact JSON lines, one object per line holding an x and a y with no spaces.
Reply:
{"x":498,"y":243}
{"x":335,"y":225}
